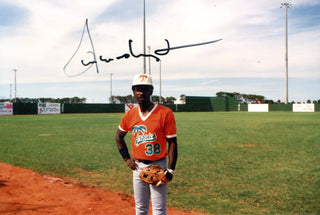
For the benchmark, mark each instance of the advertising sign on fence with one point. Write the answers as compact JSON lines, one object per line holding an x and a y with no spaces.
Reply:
{"x":129,"y":106}
{"x":258,"y":108}
{"x":6,"y":108}
{"x":303,"y":108}
{"x":49,"y":108}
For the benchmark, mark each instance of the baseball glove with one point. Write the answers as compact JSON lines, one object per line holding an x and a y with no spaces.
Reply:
{"x":155,"y":175}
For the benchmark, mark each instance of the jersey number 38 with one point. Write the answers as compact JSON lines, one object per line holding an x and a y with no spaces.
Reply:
{"x":153,"y":149}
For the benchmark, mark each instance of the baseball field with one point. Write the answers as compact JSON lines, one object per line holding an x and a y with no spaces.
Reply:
{"x":229,"y":162}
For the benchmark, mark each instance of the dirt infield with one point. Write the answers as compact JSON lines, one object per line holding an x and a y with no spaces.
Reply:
{"x":23,"y":191}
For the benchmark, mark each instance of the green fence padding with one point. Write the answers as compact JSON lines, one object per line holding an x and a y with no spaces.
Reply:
{"x":92,"y":108}
{"x":243,"y":107}
{"x":193,"y":104}
{"x":280,"y":107}
{"x":25,"y":108}
{"x":232,"y":104}
{"x":197,"y":103}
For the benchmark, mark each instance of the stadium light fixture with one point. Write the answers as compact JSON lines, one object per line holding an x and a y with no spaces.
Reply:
{"x":286,"y":5}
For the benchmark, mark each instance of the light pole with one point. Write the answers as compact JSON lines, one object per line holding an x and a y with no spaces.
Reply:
{"x":111,"y":98}
{"x":286,"y":5}
{"x":15,"y":85}
{"x":160,"y":81}
{"x":10,"y":92}
{"x":149,"y":60}
{"x":144,"y":37}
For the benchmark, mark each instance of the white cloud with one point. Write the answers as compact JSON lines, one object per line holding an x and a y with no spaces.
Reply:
{"x":252,"y":45}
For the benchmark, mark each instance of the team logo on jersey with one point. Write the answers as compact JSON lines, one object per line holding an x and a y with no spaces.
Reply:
{"x":142,"y":136}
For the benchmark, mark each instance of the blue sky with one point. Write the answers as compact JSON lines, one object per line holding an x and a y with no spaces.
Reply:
{"x":39,"y":37}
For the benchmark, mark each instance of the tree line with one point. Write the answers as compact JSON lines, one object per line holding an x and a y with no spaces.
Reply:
{"x":51,"y":100}
{"x":241,"y":98}
{"x":131,"y":99}
{"x":113,"y":100}
{"x":252,"y":98}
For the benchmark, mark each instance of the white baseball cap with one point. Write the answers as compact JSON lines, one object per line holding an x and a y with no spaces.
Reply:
{"x":142,"y":79}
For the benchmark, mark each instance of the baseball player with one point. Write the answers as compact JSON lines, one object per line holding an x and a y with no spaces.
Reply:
{"x":151,"y":126}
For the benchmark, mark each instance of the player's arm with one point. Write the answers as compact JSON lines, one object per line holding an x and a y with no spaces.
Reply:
{"x":172,"y":157}
{"x":123,"y":149}
{"x":172,"y":153}
{"x":171,"y":137}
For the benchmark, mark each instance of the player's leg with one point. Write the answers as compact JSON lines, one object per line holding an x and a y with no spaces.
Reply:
{"x":159,"y":194}
{"x":159,"y":199}
{"x":141,"y":194}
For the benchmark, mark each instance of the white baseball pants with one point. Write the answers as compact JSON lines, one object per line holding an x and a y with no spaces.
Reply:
{"x":143,"y":192}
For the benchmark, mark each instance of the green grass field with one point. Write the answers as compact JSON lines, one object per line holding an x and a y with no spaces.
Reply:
{"x":229,"y":162}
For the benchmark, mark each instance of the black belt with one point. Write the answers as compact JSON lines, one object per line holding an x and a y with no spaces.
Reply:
{"x":145,"y":161}
{"x":148,"y":161}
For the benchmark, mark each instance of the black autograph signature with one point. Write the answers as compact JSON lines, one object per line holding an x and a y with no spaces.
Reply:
{"x":163,"y":51}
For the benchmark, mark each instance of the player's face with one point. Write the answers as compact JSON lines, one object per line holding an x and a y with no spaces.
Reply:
{"x":142,"y":93}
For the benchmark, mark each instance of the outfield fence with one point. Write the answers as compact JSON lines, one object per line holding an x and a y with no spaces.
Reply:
{"x":286,"y":107}
{"x":193,"y":104}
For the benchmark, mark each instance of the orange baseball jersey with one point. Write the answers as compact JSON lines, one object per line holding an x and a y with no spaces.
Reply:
{"x":149,"y":133}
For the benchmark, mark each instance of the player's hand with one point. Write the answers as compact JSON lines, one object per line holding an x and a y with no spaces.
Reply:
{"x":131,"y":163}
{"x":166,"y":178}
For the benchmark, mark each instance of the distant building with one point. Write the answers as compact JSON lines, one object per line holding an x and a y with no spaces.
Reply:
{"x":179,"y":101}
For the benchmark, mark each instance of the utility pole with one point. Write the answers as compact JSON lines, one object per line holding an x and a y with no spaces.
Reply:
{"x":15,"y":85}
{"x":144,"y":37}
{"x":286,"y":5}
